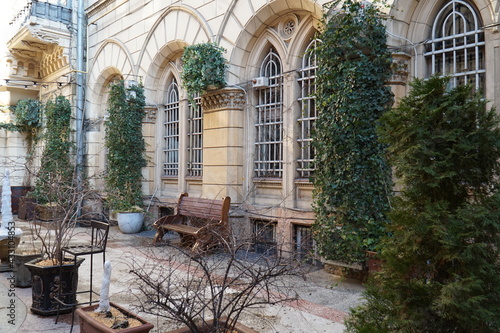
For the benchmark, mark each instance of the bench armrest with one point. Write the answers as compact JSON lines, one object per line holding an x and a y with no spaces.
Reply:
{"x":169,"y":219}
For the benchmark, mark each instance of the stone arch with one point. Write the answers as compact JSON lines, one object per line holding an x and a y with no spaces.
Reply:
{"x":412,"y":20}
{"x":177,"y":27}
{"x":111,"y":59}
{"x":256,"y":20}
{"x":166,"y":60}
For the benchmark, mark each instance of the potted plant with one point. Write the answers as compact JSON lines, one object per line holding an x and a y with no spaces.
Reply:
{"x":107,"y":317}
{"x":57,"y":200}
{"x":126,"y":149}
{"x":203,"y":68}
{"x":55,"y":168}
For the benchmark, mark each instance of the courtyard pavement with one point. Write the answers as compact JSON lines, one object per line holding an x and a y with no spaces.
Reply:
{"x":324,"y":299}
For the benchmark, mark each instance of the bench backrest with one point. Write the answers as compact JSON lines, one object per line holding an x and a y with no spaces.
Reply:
{"x":208,"y":209}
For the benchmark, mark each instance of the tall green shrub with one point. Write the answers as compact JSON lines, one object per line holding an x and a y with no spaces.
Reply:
{"x":442,"y":270}
{"x":352,"y":178}
{"x":126,"y":146}
{"x":56,"y":165}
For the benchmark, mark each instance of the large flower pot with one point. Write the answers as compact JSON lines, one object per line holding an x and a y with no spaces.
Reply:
{"x":26,"y":208}
{"x":22,"y":273}
{"x":49,"y":213}
{"x":89,"y":324}
{"x":8,"y":245}
{"x":130,"y":223}
{"x":240,"y":328}
{"x":45,"y":283}
{"x":17,"y":193}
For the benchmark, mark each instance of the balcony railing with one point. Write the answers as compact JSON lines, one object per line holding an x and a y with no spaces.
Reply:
{"x":56,"y":12}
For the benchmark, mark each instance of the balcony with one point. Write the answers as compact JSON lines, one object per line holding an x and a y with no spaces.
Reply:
{"x":43,"y":10}
{"x":39,"y":39}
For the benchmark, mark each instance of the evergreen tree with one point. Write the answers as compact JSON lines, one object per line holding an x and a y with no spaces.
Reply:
{"x":442,"y":269}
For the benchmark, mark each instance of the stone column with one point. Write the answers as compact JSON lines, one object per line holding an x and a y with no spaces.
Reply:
{"x":223,"y":143}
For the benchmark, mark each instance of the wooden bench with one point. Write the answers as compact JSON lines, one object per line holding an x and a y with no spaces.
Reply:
{"x":200,"y":222}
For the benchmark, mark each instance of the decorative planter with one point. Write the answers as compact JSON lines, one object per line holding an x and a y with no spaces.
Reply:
{"x":49,"y":213}
{"x":17,"y":193}
{"x":26,"y":208}
{"x":45,"y":283}
{"x":240,"y":328}
{"x":130,"y":223}
{"x":91,"y":325}
{"x":22,"y":273}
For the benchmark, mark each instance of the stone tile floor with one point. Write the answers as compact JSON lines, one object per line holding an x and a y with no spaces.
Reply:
{"x":324,"y":299}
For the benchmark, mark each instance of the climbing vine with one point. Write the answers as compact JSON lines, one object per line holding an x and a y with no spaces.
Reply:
{"x":55,"y":165}
{"x":352,"y":178}
{"x":126,"y":146}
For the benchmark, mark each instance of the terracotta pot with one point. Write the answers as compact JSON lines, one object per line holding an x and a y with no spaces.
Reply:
{"x":90,"y":325}
{"x":240,"y":328}
{"x":374,"y":263}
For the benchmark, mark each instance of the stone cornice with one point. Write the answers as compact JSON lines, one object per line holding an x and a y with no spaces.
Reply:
{"x":98,"y":6}
{"x":226,"y":98}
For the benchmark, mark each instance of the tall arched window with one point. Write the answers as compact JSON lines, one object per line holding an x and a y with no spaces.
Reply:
{"x":269,"y":121}
{"x":456,"y":46}
{"x":171,"y":131}
{"x":307,"y":117}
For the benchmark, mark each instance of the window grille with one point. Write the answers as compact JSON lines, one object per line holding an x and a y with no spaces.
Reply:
{"x":269,"y":122}
{"x":264,"y":236}
{"x":171,"y":131}
{"x":456,"y":47}
{"x":303,"y":240}
{"x":195,"y":139}
{"x":308,"y":113}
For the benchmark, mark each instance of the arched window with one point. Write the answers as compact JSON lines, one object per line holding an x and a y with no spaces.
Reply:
{"x":308,"y":113}
{"x":171,"y":131}
{"x":269,"y":120}
{"x":456,"y":47}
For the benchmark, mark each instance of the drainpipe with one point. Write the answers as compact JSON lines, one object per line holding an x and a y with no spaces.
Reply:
{"x":80,"y":98}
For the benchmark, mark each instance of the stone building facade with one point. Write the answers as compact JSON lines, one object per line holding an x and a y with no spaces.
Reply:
{"x":251,"y":139}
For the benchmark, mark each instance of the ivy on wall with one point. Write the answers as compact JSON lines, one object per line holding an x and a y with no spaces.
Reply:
{"x":352,"y":178}
{"x":126,"y":146}
{"x":55,"y":165}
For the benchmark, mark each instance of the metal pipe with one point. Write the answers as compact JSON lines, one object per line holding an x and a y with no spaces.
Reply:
{"x":80,"y":98}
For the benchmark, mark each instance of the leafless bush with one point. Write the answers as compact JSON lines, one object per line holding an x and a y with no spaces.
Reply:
{"x":193,"y":288}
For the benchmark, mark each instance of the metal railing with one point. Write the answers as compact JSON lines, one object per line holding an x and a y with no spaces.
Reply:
{"x":54,"y":11}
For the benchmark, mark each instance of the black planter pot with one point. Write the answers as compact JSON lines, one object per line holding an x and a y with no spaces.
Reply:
{"x":45,"y":284}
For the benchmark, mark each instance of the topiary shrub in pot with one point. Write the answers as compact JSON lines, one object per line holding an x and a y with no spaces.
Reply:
{"x":203,"y":68}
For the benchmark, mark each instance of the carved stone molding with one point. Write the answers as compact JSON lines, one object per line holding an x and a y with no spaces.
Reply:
{"x":400,"y":68}
{"x":150,"y":114}
{"x":22,"y":53}
{"x":226,"y":98}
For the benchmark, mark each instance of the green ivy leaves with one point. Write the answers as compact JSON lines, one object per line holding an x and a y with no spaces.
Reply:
{"x":126,"y":146}
{"x":352,"y":178}
{"x":203,"y":66}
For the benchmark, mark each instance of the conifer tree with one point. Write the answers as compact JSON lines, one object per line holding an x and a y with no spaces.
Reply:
{"x":442,"y":267}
